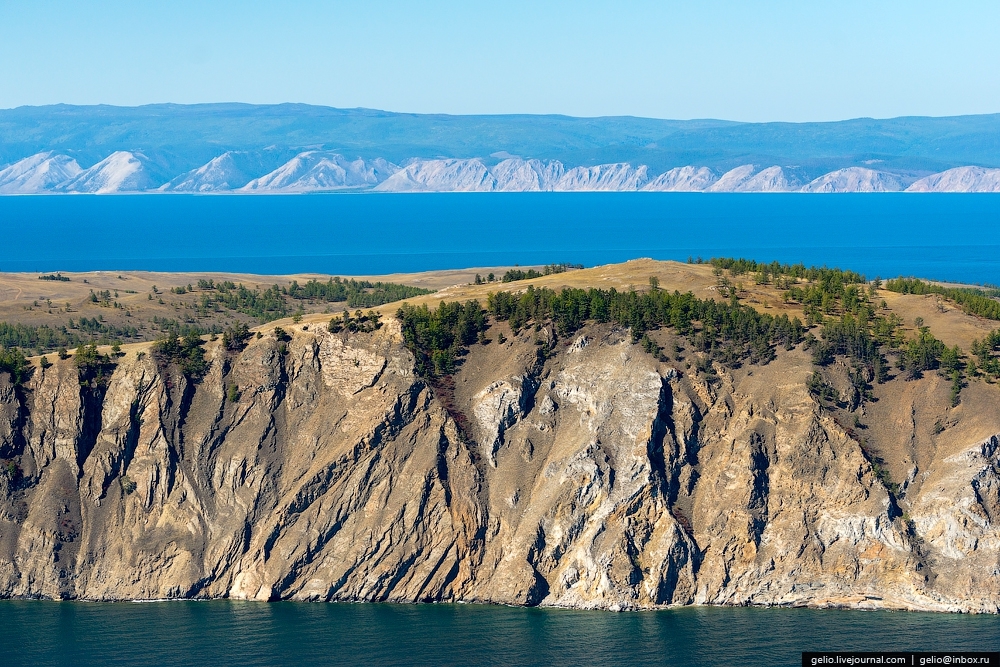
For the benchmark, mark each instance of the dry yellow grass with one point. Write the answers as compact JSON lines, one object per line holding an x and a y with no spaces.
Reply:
{"x":945,"y":320}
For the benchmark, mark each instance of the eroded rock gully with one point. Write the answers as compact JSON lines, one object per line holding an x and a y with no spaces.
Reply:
{"x":595,"y":478}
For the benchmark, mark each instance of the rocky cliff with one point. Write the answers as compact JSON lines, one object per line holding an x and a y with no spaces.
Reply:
{"x":326,"y":171}
{"x":590,"y":475}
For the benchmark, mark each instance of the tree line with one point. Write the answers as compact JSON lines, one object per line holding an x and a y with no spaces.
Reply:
{"x":738,"y":267}
{"x":44,"y":337}
{"x":728,"y":332}
{"x":438,"y":337}
{"x":984,"y":302}
{"x":272,"y":303}
{"x":357,"y":293}
{"x":514,"y":275}
{"x":985,"y":350}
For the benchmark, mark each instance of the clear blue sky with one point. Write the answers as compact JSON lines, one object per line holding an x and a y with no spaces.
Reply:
{"x":754,"y":61}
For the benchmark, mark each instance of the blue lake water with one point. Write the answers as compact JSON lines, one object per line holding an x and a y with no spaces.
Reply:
{"x":952,"y":237}
{"x":232,"y":633}
{"x":942,"y":236}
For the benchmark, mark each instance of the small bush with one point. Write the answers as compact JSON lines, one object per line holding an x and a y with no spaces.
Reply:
{"x":235,"y":338}
{"x":94,"y":368}
{"x":821,"y":389}
{"x":365,"y":323}
{"x":14,"y":362}
{"x":128,"y":486}
{"x":11,"y":471}
{"x":186,"y":352}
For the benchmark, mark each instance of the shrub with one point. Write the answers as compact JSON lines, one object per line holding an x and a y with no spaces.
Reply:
{"x":93,"y":367}
{"x":235,"y":338}
{"x":821,"y":389}
{"x":187,"y":353}
{"x":128,"y":486}
{"x":365,"y":323}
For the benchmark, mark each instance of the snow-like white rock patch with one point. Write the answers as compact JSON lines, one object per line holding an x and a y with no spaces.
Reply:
{"x":121,"y":171}
{"x":855,"y":179}
{"x":38,"y":173}
{"x":683,"y":179}
{"x":960,"y":179}
{"x":218,"y":175}
{"x":314,"y":171}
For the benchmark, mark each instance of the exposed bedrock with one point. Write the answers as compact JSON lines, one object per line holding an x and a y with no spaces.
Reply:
{"x":593,"y":477}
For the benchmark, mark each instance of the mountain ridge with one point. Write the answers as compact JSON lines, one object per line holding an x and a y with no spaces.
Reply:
{"x":184,"y":137}
{"x":226,"y":147}
{"x":328,"y":171}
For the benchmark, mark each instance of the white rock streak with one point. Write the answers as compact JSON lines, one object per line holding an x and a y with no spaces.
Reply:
{"x":318,"y":171}
{"x":855,"y":179}
{"x":38,"y":173}
{"x":121,"y":171}
{"x":218,"y":175}
{"x":960,"y":179}
{"x":322,"y":170}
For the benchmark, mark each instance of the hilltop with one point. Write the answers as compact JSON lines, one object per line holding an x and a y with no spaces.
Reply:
{"x":129,"y":302}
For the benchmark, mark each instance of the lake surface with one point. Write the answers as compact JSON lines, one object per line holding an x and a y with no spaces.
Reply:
{"x":942,"y":236}
{"x":287,"y":633}
{"x":952,"y":237}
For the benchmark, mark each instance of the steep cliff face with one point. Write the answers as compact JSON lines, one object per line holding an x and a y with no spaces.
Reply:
{"x":588,"y":475}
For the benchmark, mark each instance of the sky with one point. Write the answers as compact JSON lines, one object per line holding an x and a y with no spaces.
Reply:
{"x":747,"y":61}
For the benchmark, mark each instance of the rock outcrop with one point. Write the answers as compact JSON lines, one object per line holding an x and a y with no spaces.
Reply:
{"x":219,"y":174}
{"x":316,"y":171}
{"x":855,"y":179}
{"x":323,"y":171}
{"x":37,"y":173}
{"x":592,"y":476}
{"x":682,"y":179}
{"x":960,"y":179}
{"x":121,"y":171}
{"x":747,"y":178}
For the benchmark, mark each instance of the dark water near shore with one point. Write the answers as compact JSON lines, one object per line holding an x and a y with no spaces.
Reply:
{"x":234,"y":633}
{"x":941,"y":236}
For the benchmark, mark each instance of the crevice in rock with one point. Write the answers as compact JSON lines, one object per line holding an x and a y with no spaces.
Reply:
{"x":132,"y":435}
{"x":663,"y":425}
{"x":539,"y":588}
{"x":442,"y":467}
{"x":91,"y":419}
{"x":760,"y":462}
{"x":16,"y":445}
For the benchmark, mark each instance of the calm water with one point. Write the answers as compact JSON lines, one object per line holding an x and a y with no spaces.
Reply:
{"x":943,"y":236}
{"x":233,"y":633}
{"x":939,"y":236}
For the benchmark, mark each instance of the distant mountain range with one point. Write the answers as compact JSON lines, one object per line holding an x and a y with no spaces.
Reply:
{"x":299,"y":148}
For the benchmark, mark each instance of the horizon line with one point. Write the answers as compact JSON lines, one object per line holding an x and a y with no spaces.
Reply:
{"x":487,"y":115}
